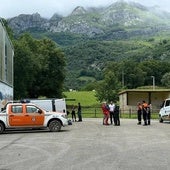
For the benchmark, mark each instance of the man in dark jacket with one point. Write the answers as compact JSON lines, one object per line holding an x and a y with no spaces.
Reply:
{"x":79,"y":113}
{"x":116,"y":116}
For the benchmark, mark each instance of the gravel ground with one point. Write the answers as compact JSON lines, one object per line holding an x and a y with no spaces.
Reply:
{"x":88,"y":145}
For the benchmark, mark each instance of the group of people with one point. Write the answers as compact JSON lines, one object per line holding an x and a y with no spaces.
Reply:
{"x":73,"y":113}
{"x":110,"y":111}
{"x":144,"y":109}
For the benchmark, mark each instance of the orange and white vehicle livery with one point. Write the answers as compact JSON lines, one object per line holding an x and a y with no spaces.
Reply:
{"x":28,"y":115}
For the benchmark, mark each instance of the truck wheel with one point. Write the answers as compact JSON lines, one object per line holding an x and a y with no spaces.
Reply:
{"x":160,"y":119}
{"x":2,"y":128}
{"x":55,"y":126}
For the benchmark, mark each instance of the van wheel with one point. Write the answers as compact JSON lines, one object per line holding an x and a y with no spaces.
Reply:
{"x":2,"y":128}
{"x":160,"y":119}
{"x":55,"y":126}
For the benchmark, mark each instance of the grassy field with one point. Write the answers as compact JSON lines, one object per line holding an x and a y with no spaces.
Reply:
{"x":91,"y":107}
{"x":86,"y":98}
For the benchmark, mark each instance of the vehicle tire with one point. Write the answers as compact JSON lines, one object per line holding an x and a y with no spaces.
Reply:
{"x":2,"y":128}
{"x":55,"y":126}
{"x":160,"y":119}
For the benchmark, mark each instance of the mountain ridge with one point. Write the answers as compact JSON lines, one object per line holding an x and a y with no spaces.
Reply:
{"x":91,"y":38}
{"x":94,"y":21}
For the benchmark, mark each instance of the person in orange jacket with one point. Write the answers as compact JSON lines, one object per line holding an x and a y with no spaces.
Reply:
{"x":106,"y":113}
{"x":145,"y":112}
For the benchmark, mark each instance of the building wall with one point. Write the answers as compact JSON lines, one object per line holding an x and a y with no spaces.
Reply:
{"x":6,"y":66}
{"x":129,"y":99}
{"x":6,"y":94}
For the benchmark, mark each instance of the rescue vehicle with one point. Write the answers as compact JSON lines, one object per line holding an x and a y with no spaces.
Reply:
{"x":29,"y":115}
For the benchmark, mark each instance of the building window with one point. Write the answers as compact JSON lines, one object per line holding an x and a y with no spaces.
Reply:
{"x":6,"y":50}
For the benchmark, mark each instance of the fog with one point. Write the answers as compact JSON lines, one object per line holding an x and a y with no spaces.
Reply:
{"x":46,"y":8}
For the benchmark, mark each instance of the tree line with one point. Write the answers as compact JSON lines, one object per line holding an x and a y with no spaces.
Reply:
{"x":130,"y":75}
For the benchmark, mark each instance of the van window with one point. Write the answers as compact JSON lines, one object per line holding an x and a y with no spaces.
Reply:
{"x":167,"y":103}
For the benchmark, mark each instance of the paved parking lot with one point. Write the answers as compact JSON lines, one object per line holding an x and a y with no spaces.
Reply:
{"x":88,"y":145}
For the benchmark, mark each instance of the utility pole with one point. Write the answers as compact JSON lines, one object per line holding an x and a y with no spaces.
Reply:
{"x":153,"y":82}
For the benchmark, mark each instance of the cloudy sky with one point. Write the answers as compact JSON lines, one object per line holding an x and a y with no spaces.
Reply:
{"x":46,"y":8}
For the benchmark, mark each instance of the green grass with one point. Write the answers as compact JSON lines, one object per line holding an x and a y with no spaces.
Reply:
{"x":91,"y":107}
{"x":86,"y":78}
{"x":86,"y":98}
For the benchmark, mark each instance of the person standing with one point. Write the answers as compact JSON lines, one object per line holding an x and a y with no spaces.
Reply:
{"x":145,"y":112}
{"x":139,"y":113}
{"x":106,"y":112}
{"x":149,"y":114}
{"x":116,"y":116}
{"x":79,"y":113}
{"x":73,"y":114}
{"x":111,"y":110}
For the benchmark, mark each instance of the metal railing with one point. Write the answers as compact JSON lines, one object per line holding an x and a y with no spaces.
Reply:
{"x":96,"y":112}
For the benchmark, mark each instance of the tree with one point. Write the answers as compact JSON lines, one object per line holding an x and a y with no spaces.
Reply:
{"x":166,"y":80}
{"x":39,"y":68}
{"x":23,"y":70}
{"x":131,"y":74}
{"x":108,"y":88}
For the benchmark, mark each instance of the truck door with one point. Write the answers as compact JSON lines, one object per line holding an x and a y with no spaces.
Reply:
{"x":165,"y":110}
{"x":16,"y":116}
{"x":35,"y":115}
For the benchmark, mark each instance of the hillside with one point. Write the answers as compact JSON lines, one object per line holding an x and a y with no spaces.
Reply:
{"x":93,"y":37}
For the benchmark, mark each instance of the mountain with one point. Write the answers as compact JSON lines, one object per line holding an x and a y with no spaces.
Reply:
{"x":93,"y":37}
{"x":120,"y":16}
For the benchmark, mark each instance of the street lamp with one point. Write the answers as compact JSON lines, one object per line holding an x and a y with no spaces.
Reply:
{"x":153,"y":78}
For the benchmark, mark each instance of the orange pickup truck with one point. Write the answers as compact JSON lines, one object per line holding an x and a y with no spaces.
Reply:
{"x":28,"y":115}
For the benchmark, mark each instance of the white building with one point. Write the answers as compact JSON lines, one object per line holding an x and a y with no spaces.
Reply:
{"x":6,"y":66}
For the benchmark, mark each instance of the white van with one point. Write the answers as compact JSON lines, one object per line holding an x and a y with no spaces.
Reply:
{"x":58,"y":105}
{"x":54,"y":105}
{"x":164,"y":113}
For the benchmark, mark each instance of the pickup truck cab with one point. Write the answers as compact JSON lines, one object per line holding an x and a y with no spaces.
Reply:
{"x":28,"y":115}
{"x":164,"y":113}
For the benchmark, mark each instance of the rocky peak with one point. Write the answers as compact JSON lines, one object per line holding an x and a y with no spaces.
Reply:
{"x":56,"y":18}
{"x":93,"y":21}
{"x":78,"y":11}
{"x":26,"y":21}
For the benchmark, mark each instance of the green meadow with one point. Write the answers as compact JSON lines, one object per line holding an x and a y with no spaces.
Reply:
{"x":91,"y":107}
{"x":86,"y":98}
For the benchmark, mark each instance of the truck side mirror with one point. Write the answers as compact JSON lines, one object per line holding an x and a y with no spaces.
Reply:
{"x":39,"y":111}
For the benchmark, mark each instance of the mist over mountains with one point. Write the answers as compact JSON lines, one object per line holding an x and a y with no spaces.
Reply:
{"x":120,"y":16}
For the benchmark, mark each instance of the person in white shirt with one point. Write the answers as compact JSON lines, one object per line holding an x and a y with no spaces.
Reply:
{"x":111,"y":110}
